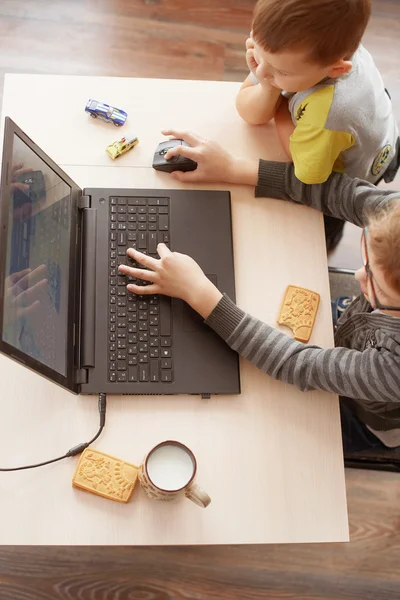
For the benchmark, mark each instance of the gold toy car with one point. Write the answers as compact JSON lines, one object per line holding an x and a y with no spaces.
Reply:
{"x":121,"y":146}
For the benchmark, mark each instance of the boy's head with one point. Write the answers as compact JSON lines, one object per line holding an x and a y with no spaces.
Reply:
{"x":381,"y":247}
{"x":298,"y":43}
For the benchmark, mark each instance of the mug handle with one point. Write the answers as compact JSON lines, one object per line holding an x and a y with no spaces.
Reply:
{"x":197,"y":495}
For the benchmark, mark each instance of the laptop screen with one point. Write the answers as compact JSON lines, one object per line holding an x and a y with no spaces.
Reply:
{"x":35,"y":312}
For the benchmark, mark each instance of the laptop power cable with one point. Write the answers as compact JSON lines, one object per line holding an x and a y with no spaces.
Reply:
{"x":102,"y":404}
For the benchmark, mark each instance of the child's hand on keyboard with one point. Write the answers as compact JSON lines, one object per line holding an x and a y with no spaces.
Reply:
{"x":214,"y":164}
{"x":176,"y":275}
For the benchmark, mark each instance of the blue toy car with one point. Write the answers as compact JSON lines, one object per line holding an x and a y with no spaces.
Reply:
{"x":105,"y":112}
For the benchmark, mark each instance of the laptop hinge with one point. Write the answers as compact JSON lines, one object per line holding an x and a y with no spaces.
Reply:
{"x":206,"y":396}
{"x":84,"y":202}
{"x":82,"y":376}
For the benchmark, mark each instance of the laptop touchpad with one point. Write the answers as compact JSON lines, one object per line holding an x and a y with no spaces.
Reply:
{"x":192,"y":321}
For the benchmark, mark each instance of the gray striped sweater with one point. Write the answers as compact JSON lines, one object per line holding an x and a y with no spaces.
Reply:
{"x":364,"y":367}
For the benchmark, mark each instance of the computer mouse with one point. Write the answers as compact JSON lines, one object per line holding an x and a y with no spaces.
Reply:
{"x":176,"y":163}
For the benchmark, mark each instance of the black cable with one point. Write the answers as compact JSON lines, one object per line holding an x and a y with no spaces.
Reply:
{"x":102,"y":404}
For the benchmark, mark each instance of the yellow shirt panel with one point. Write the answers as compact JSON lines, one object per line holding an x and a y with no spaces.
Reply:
{"x":316,"y":150}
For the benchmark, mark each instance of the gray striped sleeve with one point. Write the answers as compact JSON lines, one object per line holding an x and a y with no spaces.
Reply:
{"x":343,"y":371}
{"x":340,"y":196}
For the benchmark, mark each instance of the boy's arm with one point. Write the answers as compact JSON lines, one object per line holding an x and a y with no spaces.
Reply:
{"x":257,"y":103}
{"x":340,"y":196}
{"x":284,"y":126}
{"x":346,"y":372}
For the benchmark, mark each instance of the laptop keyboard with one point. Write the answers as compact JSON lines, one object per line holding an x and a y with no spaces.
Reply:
{"x":140,"y":328}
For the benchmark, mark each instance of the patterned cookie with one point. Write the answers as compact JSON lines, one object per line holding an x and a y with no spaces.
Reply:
{"x":105,"y":476}
{"x":298,"y":311}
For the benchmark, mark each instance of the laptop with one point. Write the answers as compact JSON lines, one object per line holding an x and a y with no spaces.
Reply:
{"x":65,"y":311}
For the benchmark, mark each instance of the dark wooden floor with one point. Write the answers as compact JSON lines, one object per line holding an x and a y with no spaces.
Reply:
{"x":196,"y":39}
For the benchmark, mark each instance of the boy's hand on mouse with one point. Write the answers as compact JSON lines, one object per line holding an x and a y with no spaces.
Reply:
{"x":214,"y":164}
{"x":174,"y":274}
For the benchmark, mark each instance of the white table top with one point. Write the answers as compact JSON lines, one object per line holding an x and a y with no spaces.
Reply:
{"x":271,"y":458}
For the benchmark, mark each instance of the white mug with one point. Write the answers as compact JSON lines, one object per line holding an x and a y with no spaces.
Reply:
{"x":168,"y":471}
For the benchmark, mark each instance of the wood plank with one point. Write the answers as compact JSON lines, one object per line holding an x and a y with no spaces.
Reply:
{"x":223,"y":15}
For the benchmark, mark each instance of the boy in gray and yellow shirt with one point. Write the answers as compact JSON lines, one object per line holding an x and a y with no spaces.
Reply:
{"x":309,"y":72}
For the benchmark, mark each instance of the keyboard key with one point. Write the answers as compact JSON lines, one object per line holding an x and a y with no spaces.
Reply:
{"x":122,"y":377}
{"x":154,"y":370}
{"x":157,"y":201}
{"x":144,"y":372}
{"x":121,"y":355}
{"x":166,"y":352}
{"x":113,"y":376}
{"x":152,"y":227}
{"x":121,"y":201}
{"x":121,"y":365}
{"x":163,"y":210}
{"x":166,"y":376}
{"x":137,"y":201}
{"x":152,"y":242}
{"x":132,"y":360}
{"x":143,"y":336}
{"x":166,"y":363}
{"x":165,"y":316}
{"x":154,"y":352}
{"x":154,"y":332}
{"x":143,"y":326}
{"x":121,"y":238}
{"x":113,"y":364}
{"x":132,"y":373}
{"x":154,"y":342}
{"x":121,"y":209}
{"x":142,"y":241}
{"x":153,"y":321}
{"x":143,"y":358}
{"x":163,"y":222}
{"x":132,"y":210}
{"x":113,"y":200}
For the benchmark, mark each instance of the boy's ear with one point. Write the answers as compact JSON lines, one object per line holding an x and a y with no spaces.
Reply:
{"x":341,"y":67}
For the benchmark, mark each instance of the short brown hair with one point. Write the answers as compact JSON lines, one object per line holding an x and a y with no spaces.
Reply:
{"x":329,"y":29}
{"x":384,"y":240}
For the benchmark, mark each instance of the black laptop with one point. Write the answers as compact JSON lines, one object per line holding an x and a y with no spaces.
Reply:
{"x":65,"y":311}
